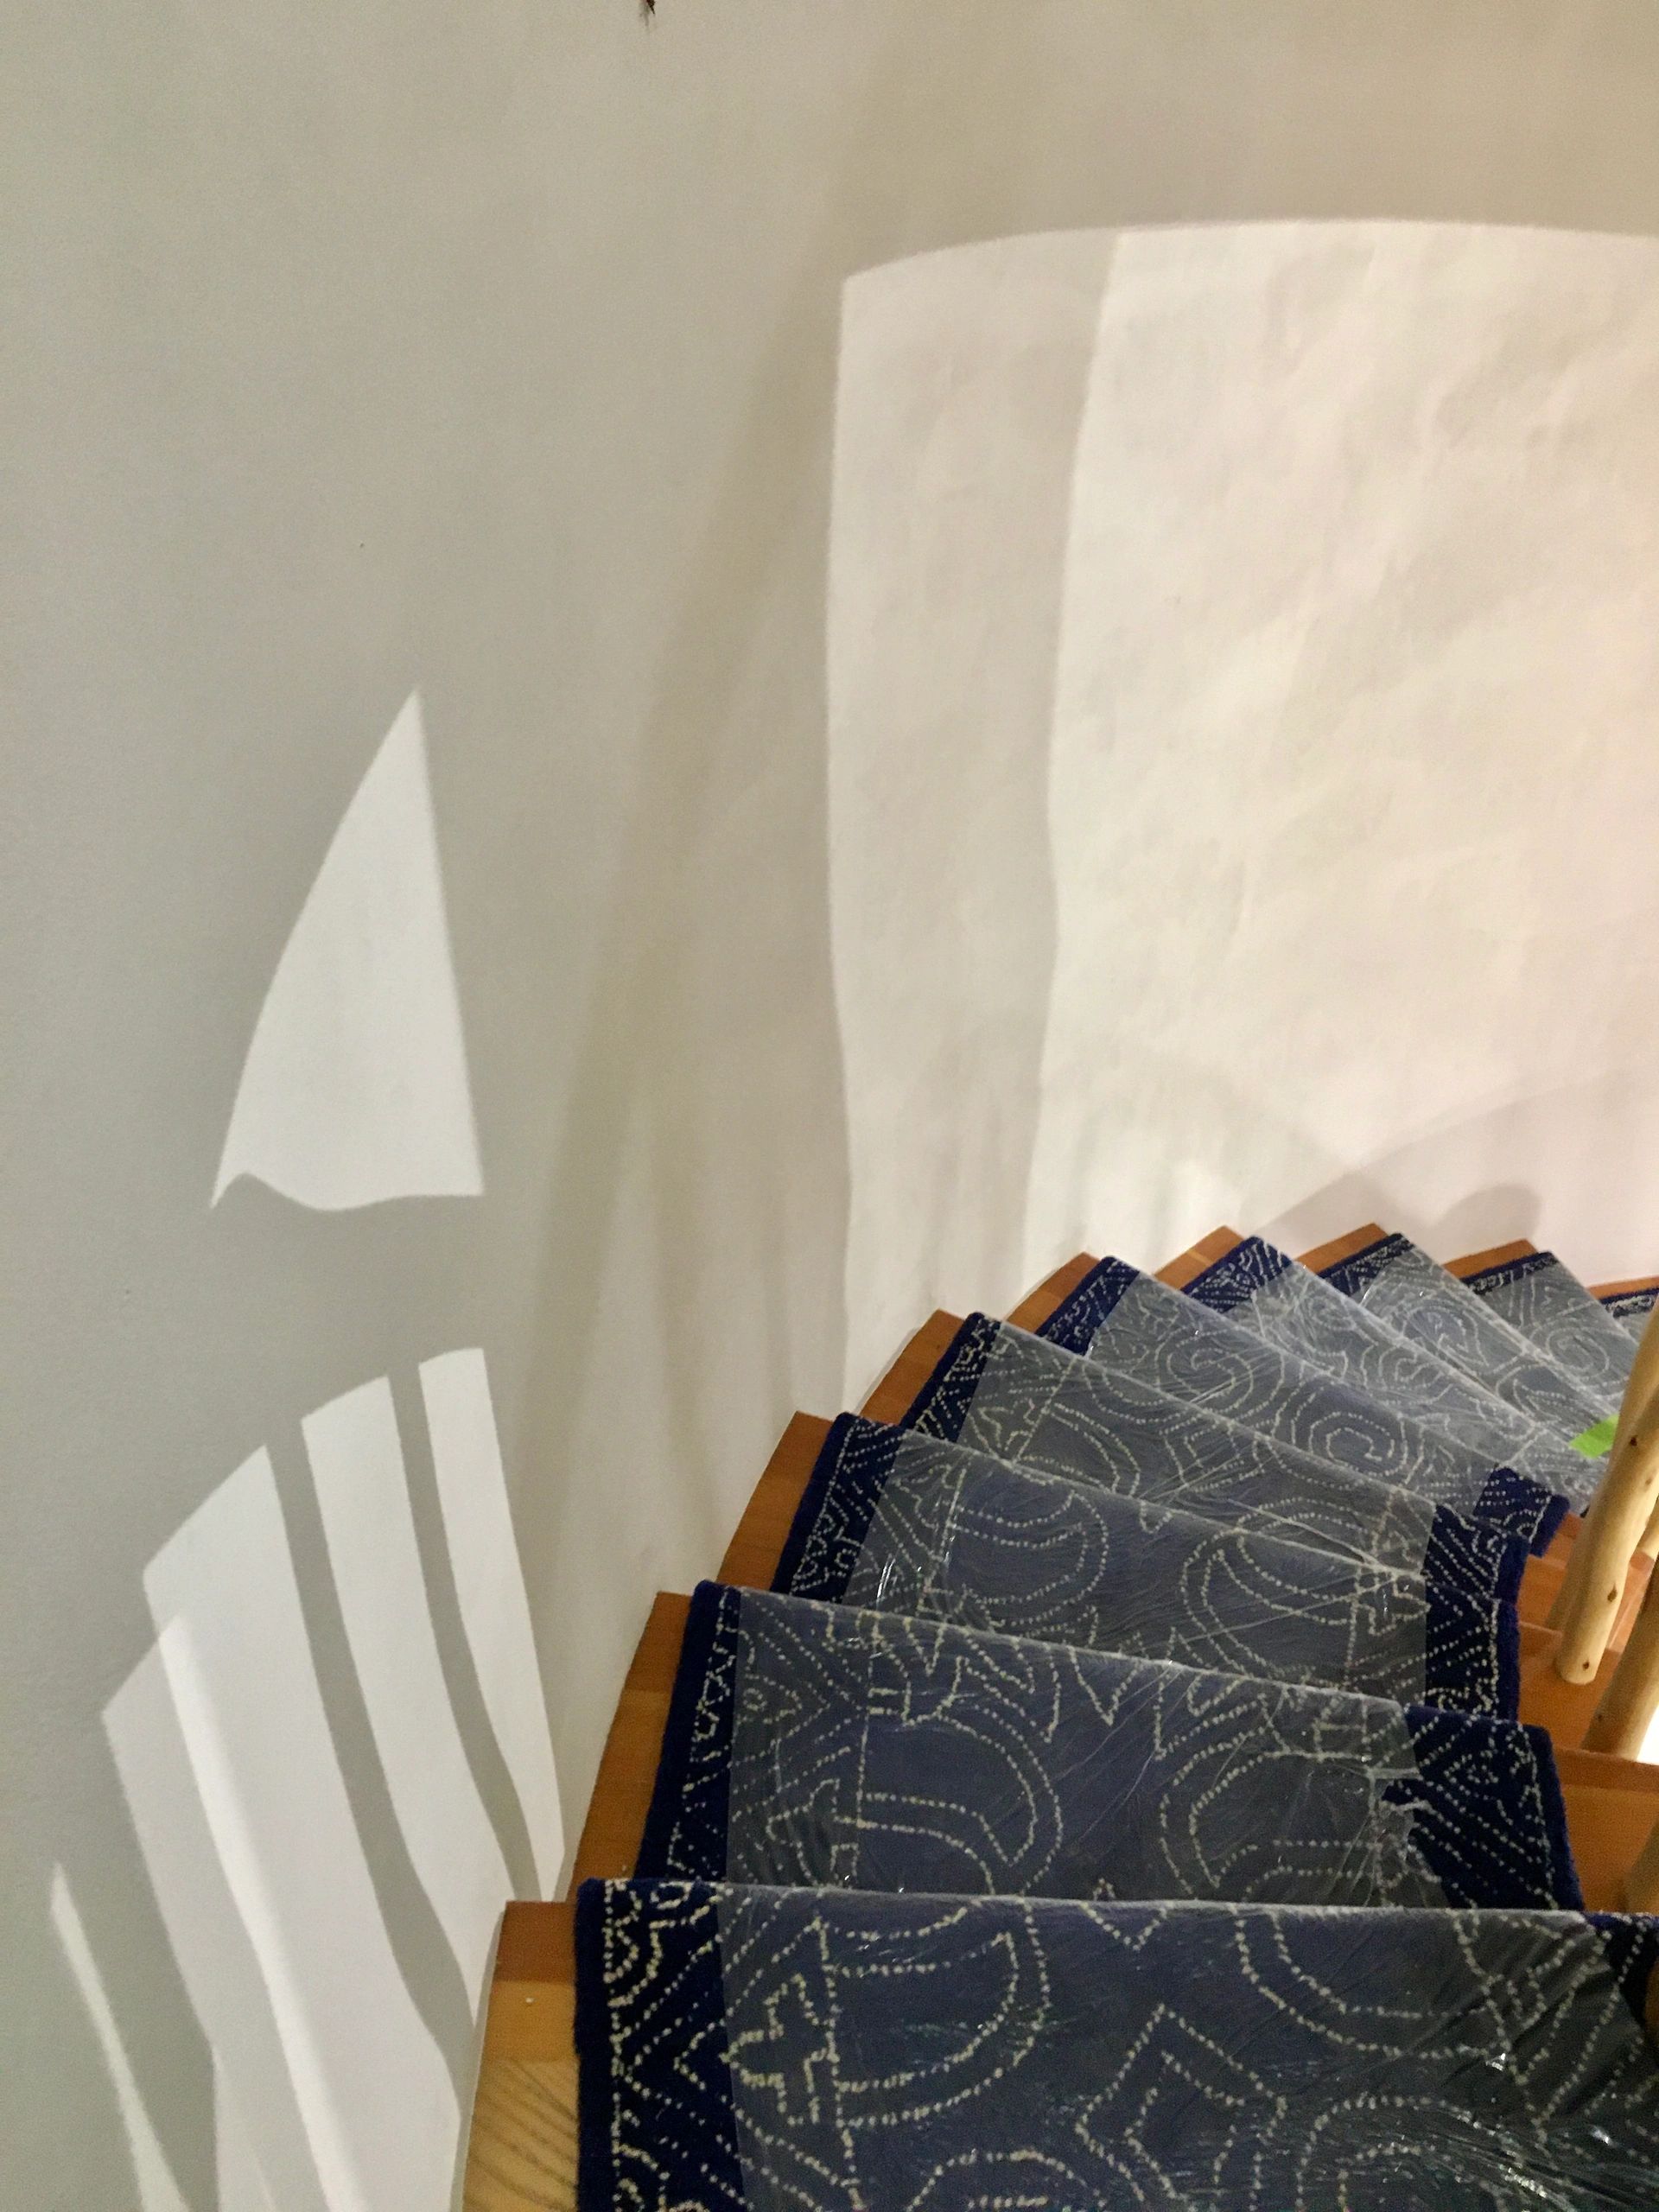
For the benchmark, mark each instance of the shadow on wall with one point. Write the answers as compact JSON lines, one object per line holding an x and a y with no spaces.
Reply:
{"x":332,"y":2089}
{"x":1242,"y":647}
{"x":1433,"y":1188}
{"x":700,"y":1142}
{"x":963,"y":380}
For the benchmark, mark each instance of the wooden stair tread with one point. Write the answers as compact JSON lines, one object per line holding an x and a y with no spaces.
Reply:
{"x":757,"y":1544}
{"x":1496,"y":1255}
{"x":1343,"y":1248}
{"x":894,"y":1395}
{"x":1186,"y":1266}
{"x":1038,"y":1304}
{"x":522,"y":2153}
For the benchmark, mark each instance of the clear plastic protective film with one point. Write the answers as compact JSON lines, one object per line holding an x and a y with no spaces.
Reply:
{"x":796,"y":2050}
{"x":1631,"y":1309}
{"x":1033,"y":1404}
{"x":1549,"y":1305}
{"x":907,"y":1524}
{"x":816,"y":1745}
{"x":1139,"y":1327}
{"x":1400,"y":1285}
{"x":1267,"y":1291}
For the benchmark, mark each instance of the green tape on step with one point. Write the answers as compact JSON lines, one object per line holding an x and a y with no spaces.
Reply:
{"x":1597,"y":1442}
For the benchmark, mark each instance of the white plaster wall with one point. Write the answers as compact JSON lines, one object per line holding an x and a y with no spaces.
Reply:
{"x":1343,"y":722}
{"x":961,"y":383}
{"x":496,"y":360}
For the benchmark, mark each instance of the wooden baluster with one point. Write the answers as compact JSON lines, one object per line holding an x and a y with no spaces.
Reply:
{"x":1619,"y":1522}
{"x":1621,"y":1720}
{"x":1644,"y":1380}
{"x":1567,"y":1596}
{"x":1625,"y":1505}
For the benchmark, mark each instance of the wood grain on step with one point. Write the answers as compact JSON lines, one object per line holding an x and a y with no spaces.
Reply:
{"x":1038,"y":1304}
{"x":522,"y":2155}
{"x":1343,"y":1248}
{"x":758,"y":1542}
{"x":1188,"y":1265}
{"x":896,"y":1392}
{"x":1495,"y":1256}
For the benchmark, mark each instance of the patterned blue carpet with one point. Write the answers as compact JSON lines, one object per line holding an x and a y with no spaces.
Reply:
{"x":903,"y":1522}
{"x":832,"y":2050}
{"x":1118,"y":1800}
{"x":817,"y":1744}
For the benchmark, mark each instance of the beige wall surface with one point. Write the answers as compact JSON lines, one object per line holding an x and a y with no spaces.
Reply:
{"x":1244,"y":652}
{"x":440,"y":1042}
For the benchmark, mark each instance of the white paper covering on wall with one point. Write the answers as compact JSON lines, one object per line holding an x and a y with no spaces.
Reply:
{"x":1349,"y":758}
{"x":961,"y":379}
{"x":236,"y":2166}
{"x":211,"y":1943}
{"x":246,"y":1829}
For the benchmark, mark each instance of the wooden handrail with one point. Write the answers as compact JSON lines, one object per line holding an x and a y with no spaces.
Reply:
{"x":1644,"y":1380}
{"x":1625,"y":1713}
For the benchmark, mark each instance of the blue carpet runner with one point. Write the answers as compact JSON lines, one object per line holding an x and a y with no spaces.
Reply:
{"x":1400,"y":1285}
{"x":1631,"y":1308}
{"x":1268,"y":1291}
{"x":815,"y":1744}
{"x":1545,"y":1300}
{"x":1139,"y":1328}
{"x":1029,"y":1402}
{"x":818,"y":2050}
{"x":910,"y":1524}
{"x":1118,"y":1799}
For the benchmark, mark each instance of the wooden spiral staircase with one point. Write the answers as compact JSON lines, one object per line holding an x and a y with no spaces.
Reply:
{"x":523,"y":2150}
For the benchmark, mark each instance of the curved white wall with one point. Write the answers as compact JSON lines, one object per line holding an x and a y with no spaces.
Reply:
{"x":1244,"y":652}
{"x":489,"y":1131}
